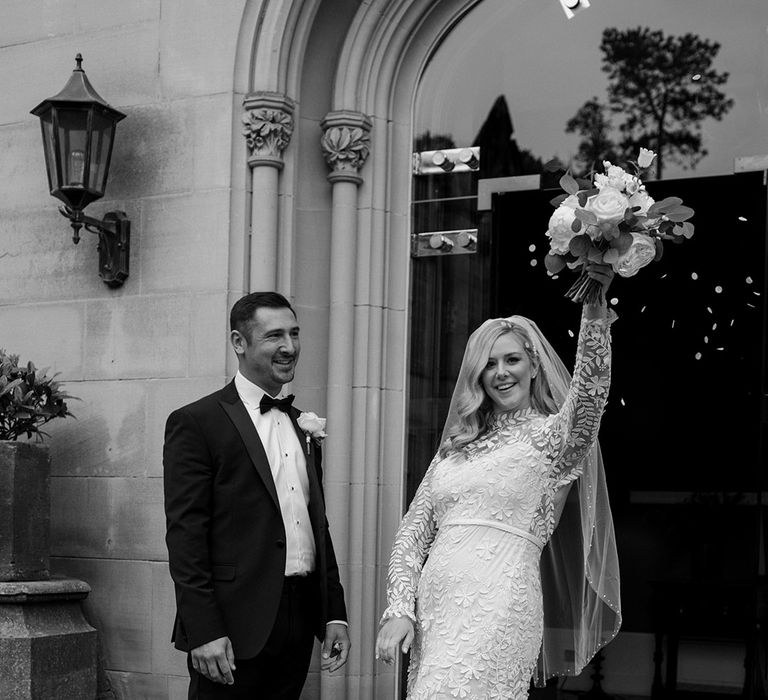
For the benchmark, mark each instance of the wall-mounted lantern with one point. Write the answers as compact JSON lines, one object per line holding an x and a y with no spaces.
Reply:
{"x":78,"y":133}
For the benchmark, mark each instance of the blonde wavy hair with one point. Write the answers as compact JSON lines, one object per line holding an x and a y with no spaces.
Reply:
{"x":474,"y":407}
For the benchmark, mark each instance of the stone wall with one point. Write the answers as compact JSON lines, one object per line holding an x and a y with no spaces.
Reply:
{"x":131,"y":354}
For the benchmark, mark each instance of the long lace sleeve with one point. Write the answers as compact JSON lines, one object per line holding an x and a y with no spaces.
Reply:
{"x":575,"y":427}
{"x":409,"y":552}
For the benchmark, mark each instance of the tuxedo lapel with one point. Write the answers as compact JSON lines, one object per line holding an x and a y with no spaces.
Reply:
{"x":238,"y":414}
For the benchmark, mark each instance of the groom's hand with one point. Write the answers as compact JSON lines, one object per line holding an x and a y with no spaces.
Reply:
{"x":335,"y":647}
{"x":215,"y":660}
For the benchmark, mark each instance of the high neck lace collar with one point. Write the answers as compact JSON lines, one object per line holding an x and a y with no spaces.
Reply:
{"x":516,"y":415}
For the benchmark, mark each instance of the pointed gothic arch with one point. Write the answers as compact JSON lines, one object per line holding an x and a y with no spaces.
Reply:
{"x":361,"y":220}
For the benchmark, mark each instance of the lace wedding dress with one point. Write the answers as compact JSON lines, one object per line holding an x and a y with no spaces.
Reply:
{"x":465,"y":563}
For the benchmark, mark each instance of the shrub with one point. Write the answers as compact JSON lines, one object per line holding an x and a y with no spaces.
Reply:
{"x":28,"y":399}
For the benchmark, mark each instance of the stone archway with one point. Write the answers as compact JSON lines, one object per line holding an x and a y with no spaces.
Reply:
{"x":362,"y":221}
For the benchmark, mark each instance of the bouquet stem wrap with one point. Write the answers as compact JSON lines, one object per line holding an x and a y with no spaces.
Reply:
{"x":585,"y":290}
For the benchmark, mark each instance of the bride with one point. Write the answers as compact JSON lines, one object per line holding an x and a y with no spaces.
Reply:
{"x":482,"y":589}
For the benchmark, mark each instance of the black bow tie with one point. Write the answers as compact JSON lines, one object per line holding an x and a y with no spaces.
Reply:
{"x":268,"y":402}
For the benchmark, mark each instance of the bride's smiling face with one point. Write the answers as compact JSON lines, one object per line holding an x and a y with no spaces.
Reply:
{"x":506,"y":378}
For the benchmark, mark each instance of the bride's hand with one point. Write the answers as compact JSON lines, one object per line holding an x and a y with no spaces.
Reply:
{"x":395,"y":632}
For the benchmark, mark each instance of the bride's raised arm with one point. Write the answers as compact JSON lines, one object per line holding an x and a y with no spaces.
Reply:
{"x":573,"y":430}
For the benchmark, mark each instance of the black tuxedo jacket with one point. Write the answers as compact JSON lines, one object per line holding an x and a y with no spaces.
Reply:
{"x":225,"y":533}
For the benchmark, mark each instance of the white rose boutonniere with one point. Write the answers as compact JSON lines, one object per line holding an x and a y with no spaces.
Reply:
{"x":313,"y":427}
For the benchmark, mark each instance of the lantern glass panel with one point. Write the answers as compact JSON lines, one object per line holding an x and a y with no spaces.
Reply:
{"x":101,"y":144}
{"x":72,"y":143}
{"x":46,"y":121}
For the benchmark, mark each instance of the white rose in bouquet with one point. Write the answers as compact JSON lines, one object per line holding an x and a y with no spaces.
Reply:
{"x":559,"y":229}
{"x":640,"y":253}
{"x":608,"y":205}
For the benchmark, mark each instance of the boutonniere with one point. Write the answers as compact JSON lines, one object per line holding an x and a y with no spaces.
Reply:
{"x":313,"y":427}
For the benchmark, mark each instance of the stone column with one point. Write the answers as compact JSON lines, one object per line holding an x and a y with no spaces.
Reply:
{"x":268,"y":125}
{"x":345,"y":143}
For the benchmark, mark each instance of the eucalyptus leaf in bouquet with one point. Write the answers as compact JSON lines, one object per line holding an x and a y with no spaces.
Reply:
{"x":29,"y":399}
{"x":611,"y":219}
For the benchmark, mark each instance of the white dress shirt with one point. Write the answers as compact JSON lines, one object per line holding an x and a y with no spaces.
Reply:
{"x":289,"y":471}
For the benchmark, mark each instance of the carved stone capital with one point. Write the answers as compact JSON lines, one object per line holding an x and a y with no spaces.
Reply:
{"x":346,"y":143}
{"x":268,"y":126}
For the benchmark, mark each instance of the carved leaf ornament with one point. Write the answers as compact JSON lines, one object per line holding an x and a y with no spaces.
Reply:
{"x":346,"y":148}
{"x":267,"y":130}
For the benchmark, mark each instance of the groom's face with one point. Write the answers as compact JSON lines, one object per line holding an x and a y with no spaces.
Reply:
{"x":268,"y":356}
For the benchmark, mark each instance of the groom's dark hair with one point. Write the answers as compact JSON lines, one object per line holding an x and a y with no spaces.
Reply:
{"x":241,"y":316}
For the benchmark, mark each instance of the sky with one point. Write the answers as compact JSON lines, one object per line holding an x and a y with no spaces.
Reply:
{"x":547,"y":66}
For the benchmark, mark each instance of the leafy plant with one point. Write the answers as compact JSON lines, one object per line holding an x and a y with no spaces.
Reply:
{"x":28,"y":399}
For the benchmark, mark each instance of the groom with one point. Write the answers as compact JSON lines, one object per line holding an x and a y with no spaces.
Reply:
{"x":248,"y":544}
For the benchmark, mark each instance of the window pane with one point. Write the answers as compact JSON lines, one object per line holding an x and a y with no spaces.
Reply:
{"x":101,"y":138}
{"x":697,"y":72}
{"x":72,"y":144}
{"x":46,"y":120}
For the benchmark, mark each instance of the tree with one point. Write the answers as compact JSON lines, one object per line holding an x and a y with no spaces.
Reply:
{"x":594,"y":125}
{"x":663,"y":87}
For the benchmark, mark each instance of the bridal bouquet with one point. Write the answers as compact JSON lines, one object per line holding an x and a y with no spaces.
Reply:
{"x":611,"y":219}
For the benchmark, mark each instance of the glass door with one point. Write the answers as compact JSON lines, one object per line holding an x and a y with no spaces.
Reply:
{"x":528,"y":93}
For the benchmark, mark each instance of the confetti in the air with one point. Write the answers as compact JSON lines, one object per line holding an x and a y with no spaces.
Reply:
{"x":614,"y":301}
{"x":534,"y":262}
{"x":714,"y":325}
{"x":733,"y":320}
{"x":532,"y":247}
{"x":694,"y":276}
{"x":622,"y":402}
{"x":641,"y":310}
{"x":570,"y":332}
{"x":751,"y":306}
{"x":706,"y":339}
{"x":719,"y":348}
{"x":663,"y":276}
{"x":709,"y":308}
{"x":749,"y":280}
{"x":718,"y":289}
{"x":673,"y":323}
{"x":698,"y":355}
{"x":742,"y":218}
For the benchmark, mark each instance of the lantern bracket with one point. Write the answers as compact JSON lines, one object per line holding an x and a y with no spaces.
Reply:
{"x":114,"y":232}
